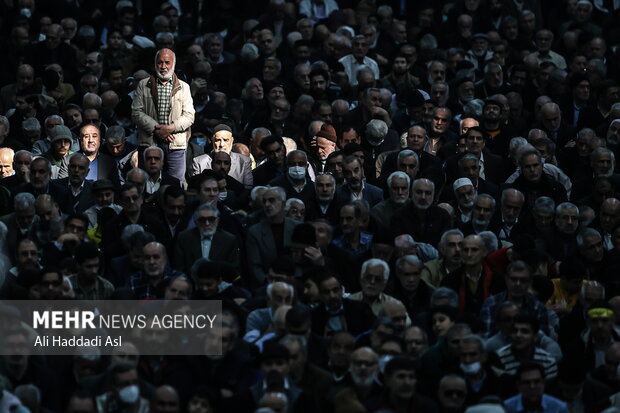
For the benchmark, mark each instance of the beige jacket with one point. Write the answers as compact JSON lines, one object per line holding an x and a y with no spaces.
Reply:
{"x":144,"y":112}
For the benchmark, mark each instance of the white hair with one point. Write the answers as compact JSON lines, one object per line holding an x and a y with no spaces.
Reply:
{"x":376,"y":262}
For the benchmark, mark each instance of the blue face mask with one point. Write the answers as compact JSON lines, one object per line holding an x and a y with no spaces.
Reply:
{"x":199,"y":141}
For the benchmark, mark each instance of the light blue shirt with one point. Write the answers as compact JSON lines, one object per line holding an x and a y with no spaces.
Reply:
{"x":548,"y":404}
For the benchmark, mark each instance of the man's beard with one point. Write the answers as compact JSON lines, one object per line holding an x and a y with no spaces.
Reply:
{"x":208,"y":232}
{"x":360,"y":382}
{"x":325,"y":199}
{"x":480,"y":225}
{"x":168,"y":76}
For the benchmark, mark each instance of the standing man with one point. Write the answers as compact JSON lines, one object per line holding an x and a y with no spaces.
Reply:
{"x":164,"y":112}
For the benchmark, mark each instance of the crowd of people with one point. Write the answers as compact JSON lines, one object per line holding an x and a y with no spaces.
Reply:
{"x":404,"y":206}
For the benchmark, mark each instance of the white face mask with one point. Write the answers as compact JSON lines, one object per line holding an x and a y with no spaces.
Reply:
{"x":472,"y":368}
{"x":222,"y":196}
{"x":129,"y":394}
{"x":26,"y":13}
{"x":297,"y":172}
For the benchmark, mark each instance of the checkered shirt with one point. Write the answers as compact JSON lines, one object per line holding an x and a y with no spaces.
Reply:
{"x":164,"y":95}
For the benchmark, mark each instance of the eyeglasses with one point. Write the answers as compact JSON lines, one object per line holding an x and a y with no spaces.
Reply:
{"x":203,"y":220}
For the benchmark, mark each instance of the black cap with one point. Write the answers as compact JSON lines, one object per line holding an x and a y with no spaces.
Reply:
{"x":102,"y":184}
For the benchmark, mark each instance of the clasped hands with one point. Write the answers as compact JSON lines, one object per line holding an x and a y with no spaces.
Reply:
{"x":164,"y":132}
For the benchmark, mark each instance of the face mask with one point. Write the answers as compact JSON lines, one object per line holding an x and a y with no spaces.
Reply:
{"x":201,"y":141}
{"x":375,"y":143}
{"x":129,"y":394}
{"x":222,"y":196}
{"x":297,"y":172}
{"x":26,"y":13}
{"x":472,"y":368}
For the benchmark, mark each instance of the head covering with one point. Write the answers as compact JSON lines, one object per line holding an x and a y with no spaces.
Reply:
{"x":479,"y":36}
{"x":461,"y":182}
{"x":61,"y":132}
{"x":221,"y":127}
{"x":328,"y":132}
{"x":102,"y":184}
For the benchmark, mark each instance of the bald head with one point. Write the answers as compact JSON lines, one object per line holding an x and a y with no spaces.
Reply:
{"x":6,"y":162}
{"x":165,"y":62}
{"x":165,"y":400}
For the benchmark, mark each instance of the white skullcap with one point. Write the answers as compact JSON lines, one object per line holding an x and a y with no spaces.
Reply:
{"x":460,"y":183}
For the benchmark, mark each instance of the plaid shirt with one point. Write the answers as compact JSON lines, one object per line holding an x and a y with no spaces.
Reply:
{"x":530,"y":305}
{"x":143,"y":289}
{"x":164,"y":95}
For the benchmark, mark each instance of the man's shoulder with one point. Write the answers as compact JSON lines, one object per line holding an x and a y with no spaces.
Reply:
{"x":240,"y":157}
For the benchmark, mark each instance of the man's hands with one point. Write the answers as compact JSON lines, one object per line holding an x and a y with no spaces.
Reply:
{"x":164,"y":132}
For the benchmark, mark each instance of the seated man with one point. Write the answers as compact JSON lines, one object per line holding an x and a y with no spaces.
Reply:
{"x":240,"y":165}
{"x":531,"y":378}
{"x":373,"y":279}
{"x":278,"y":294}
{"x":523,"y":348}
{"x":149,"y":283}
{"x":87,"y":283}
{"x":336,"y":313}
{"x":207,"y":241}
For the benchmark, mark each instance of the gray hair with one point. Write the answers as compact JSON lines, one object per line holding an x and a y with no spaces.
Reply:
{"x":544,"y":204}
{"x":486,"y":196}
{"x":95,"y":97}
{"x":207,"y":207}
{"x":164,"y":36}
{"x":255,"y":190}
{"x":115,"y":135}
{"x":586,"y":233}
{"x":444,"y":237}
{"x":249,"y":53}
{"x":129,"y":230}
{"x":271,"y":286}
{"x":469,"y":157}
{"x":31,"y":125}
{"x":447,"y":294}
{"x":423,"y":180}
{"x":490,"y":241}
{"x":153,"y":148}
{"x":566,"y":205}
{"x":54,"y":117}
{"x":256,"y":131}
{"x":23,"y":201}
{"x":279,"y":190}
{"x":408,"y":259}
{"x":376,"y":262}
{"x":474,"y":338}
{"x":275,"y":60}
{"x":297,"y":152}
{"x":602,"y":150}
{"x":398,"y":175}
{"x":290,"y":202}
{"x":516,"y":142}
{"x":376,"y":129}
{"x":402,"y":155}
{"x":139,"y":171}
{"x":429,"y":42}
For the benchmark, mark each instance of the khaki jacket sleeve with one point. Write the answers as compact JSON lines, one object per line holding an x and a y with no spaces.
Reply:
{"x":186,"y":120}
{"x":138,"y":110}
